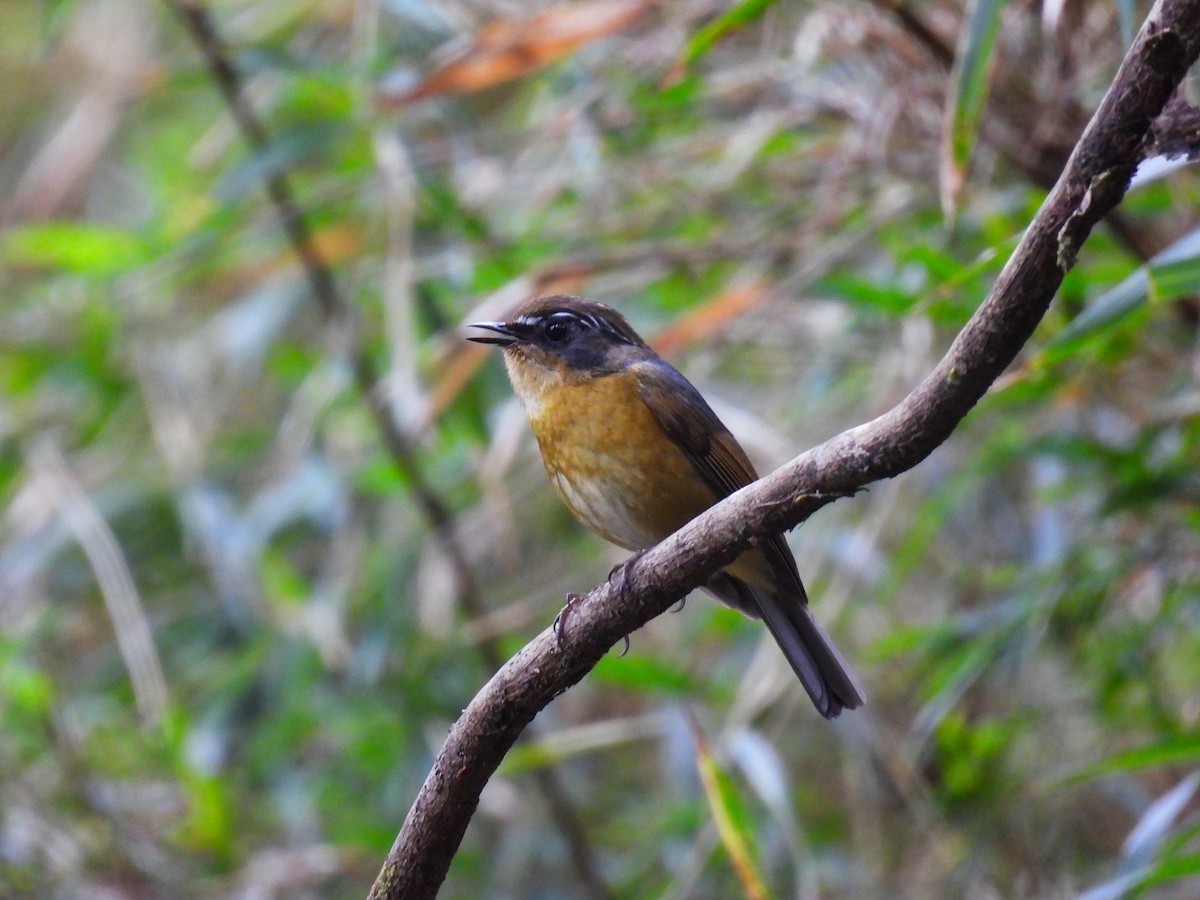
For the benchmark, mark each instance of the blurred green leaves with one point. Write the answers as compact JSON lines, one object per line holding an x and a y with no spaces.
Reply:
{"x":643,"y":673}
{"x":1181,"y":749}
{"x":82,"y":248}
{"x":1022,"y":605}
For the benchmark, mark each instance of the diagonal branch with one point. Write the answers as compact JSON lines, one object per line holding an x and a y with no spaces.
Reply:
{"x":341,"y":314}
{"x":1093,"y":182}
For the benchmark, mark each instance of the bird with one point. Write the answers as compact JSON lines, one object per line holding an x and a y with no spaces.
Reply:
{"x":634,"y":451}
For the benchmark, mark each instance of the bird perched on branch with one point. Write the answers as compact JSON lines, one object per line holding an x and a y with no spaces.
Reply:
{"x":635,"y":453}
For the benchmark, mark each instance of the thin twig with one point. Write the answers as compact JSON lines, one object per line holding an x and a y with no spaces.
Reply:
{"x":939,"y":49}
{"x":135,"y":639}
{"x":341,"y":314}
{"x":1092,"y":183}
{"x":320,"y":278}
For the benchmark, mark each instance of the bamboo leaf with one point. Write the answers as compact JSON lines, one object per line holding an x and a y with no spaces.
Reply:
{"x":706,"y":37}
{"x":1173,"y":273}
{"x":970,"y":82}
{"x":1160,"y":753}
{"x":729,"y":814}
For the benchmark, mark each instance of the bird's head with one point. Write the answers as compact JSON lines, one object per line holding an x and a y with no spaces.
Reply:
{"x":563,"y":339}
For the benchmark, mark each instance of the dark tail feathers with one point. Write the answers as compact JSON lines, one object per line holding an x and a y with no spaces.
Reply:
{"x":814,"y":658}
{"x":812,"y":655}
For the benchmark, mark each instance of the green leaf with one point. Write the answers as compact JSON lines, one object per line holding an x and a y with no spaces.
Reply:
{"x":643,"y":673}
{"x":25,"y":687}
{"x":965,"y":105}
{"x":1185,"y":749}
{"x":1172,"y":868}
{"x":735,"y":17}
{"x":1173,"y":273}
{"x":732,"y":818}
{"x":209,"y":822}
{"x":1108,"y":308}
{"x":1175,"y":278}
{"x":75,"y":246}
{"x":864,"y":292}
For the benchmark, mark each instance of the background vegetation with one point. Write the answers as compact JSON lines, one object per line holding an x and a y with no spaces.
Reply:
{"x":232,"y":634}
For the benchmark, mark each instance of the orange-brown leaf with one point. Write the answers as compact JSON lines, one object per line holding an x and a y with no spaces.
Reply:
{"x":709,"y":317}
{"x":508,"y":49}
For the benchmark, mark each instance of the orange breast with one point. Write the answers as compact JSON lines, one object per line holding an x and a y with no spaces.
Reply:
{"x":612,"y":464}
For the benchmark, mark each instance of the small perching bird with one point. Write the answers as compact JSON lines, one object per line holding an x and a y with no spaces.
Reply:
{"x":635,"y":453}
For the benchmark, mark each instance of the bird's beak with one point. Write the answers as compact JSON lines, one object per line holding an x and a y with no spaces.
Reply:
{"x":508,"y":334}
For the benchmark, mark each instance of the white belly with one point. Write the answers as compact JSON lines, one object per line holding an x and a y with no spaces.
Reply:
{"x":600,"y":508}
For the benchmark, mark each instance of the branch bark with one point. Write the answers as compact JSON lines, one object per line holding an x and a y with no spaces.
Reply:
{"x":1093,"y":182}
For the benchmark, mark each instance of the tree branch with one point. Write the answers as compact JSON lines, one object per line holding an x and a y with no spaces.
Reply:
{"x":1177,"y":131}
{"x":1093,"y":182}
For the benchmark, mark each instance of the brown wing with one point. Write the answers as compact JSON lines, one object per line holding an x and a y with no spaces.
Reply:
{"x":776,"y":596}
{"x":719,"y":459}
{"x":690,"y":422}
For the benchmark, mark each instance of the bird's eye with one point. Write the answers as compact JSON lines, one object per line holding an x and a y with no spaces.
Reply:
{"x":558,"y":330}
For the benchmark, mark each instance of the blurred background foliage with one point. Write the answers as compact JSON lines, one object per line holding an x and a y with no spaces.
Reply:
{"x":230,"y":640}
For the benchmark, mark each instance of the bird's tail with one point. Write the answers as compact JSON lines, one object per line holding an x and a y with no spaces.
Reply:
{"x":816,"y":661}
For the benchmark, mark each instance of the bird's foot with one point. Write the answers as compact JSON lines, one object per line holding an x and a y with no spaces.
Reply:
{"x":560,"y":621}
{"x":619,"y":574}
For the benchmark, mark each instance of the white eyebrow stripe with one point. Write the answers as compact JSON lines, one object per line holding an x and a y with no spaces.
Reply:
{"x":588,"y":319}
{"x":582,"y":318}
